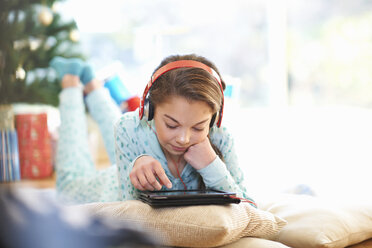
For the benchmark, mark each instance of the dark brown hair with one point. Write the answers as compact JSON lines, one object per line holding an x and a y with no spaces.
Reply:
{"x":194,"y":84}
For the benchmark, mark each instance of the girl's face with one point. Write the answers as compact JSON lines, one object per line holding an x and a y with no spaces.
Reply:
{"x":180,"y":123}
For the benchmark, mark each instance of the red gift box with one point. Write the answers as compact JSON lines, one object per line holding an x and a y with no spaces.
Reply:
{"x":34,"y":142}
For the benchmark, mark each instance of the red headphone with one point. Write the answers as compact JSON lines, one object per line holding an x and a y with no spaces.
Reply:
{"x":149,"y":108}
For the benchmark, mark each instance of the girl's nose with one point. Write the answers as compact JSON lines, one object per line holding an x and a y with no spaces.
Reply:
{"x":183,"y":138}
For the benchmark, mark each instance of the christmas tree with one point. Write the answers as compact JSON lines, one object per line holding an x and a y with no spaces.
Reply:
{"x":32,"y":33}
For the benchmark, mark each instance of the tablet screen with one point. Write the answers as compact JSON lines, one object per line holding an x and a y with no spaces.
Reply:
{"x":185,"y":193}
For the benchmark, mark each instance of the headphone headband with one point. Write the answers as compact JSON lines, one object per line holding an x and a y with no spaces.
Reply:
{"x":181,"y":64}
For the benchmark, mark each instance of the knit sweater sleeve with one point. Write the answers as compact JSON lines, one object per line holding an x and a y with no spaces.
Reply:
{"x":225,"y":175}
{"x":127,"y":150}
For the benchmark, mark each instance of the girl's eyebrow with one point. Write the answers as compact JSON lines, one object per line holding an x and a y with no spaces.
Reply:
{"x":170,"y":117}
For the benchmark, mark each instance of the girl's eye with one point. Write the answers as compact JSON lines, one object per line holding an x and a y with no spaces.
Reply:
{"x":170,"y":127}
{"x":198,"y":129}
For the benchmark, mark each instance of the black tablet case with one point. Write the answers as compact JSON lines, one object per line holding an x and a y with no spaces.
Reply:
{"x":187,"y":197}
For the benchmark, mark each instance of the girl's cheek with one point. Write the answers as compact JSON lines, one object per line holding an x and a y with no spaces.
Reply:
{"x":200,"y":137}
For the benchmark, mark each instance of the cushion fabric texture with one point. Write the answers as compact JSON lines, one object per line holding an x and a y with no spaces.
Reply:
{"x":193,"y":226}
{"x":315,"y":222}
{"x":249,"y":242}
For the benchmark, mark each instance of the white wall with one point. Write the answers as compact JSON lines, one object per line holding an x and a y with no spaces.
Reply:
{"x":329,"y":149}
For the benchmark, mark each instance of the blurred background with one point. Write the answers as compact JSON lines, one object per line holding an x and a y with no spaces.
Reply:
{"x":299,"y":76}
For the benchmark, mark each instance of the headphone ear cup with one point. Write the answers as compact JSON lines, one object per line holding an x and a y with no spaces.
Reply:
{"x":213,"y":120}
{"x":150,"y":112}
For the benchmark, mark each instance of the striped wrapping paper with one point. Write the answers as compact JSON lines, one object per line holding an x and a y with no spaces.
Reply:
{"x":9,"y":155}
{"x":9,"y":159}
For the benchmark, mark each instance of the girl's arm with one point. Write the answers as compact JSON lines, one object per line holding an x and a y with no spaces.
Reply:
{"x":127,"y":150}
{"x":226,"y":175}
{"x":132,"y":149}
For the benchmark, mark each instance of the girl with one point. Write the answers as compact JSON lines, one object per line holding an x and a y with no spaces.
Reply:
{"x":178,"y":143}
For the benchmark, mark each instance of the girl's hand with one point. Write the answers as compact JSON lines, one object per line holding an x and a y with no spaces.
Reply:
{"x":148,"y":174}
{"x":200,"y":155}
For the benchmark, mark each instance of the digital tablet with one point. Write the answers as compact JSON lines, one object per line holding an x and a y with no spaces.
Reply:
{"x":187,"y":197}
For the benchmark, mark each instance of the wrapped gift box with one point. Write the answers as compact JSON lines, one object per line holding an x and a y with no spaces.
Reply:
{"x":9,"y":160}
{"x":35,"y":152}
{"x":9,"y":157}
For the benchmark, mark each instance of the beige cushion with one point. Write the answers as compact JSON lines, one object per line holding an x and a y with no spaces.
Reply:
{"x":315,"y":222}
{"x":364,"y":244}
{"x":193,"y":226}
{"x":255,"y":243}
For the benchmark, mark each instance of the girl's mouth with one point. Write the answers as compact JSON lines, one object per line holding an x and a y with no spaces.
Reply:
{"x":179,"y":149}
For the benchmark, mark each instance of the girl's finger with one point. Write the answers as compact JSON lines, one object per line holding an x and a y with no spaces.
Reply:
{"x":159,"y":171}
{"x":136,"y":183}
{"x":151,"y":179}
{"x":143,"y":181}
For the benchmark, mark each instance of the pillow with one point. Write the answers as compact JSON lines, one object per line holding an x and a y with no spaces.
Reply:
{"x":364,"y":244}
{"x":255,"y":242}
{"x":193,"y":226}
{"x":316,"y":222}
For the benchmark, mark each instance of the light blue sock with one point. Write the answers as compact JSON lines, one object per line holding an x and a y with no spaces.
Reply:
{"x":65,"y":66}
{"x":87,"y":74}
